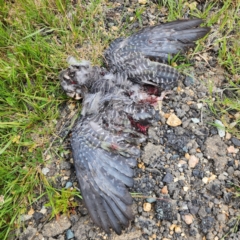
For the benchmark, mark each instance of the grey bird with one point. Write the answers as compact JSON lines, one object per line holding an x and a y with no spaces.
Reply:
{"x":118,"y":106}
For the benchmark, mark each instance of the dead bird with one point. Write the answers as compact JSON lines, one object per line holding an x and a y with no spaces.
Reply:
{"x":118,"y":105}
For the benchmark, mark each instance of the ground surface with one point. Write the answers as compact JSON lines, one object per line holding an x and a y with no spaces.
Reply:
{"x":186,"y":173}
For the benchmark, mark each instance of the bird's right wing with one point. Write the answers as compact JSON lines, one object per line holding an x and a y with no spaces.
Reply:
{"x":104,"y":168}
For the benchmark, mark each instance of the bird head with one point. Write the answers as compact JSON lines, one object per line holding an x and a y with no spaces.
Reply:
{"x":76,"y":78}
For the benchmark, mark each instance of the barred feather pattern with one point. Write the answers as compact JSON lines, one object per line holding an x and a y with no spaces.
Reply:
{"x":118,"y":106}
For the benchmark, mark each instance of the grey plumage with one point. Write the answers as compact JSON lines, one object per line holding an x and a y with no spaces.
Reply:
{"x":117,"y":108}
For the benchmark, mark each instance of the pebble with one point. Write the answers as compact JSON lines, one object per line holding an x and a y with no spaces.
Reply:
{"x":221,"y":218}
{"x":56,"y":227}
{"x":189,"y":81}
{"x":173,"y":120}
{"x":178,"y":229}
{"x":228,"y":136}
{"x":188,"y":219}
{"x":168,"y":178}
{"x":43,"y":210}
{"x":220,"y":128}
{"x":199,"y":105}
{"x":235,"y":141}
{"x":205,"y":180}
{"x":207,"y":223}
{"x":142,"y":2}
{"x":37,"y":216}
{"x":195,"y":120}
{"x":45,"y":171}
{"x":25,"y":217}
{"x":151,"y":200}
{"x":69,"y":234}
{"x":68,"y":185}
{"x":231,"y":149}
{"x":193,"y":161}
{"x":147,"y":207}
{"x":164,"y":190}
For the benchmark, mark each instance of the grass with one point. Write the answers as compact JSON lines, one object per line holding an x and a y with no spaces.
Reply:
{"x":35,"y":39}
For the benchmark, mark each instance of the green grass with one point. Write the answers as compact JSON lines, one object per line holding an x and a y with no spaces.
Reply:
{"x":35,"y":39}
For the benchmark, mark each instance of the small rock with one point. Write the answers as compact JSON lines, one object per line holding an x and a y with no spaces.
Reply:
{"x":168,"y":178}
{"x":43,"y":210}
{"x":25,"y":217}
{"x":206,"y":224}
{"x":221,"y":177}
{"x":189,"y":81}
{"x":142,"y":2}
{"x":147,"y":207}
{"x":235,"y":141}
{"x":178,"y":229}
{"x":216,"y":149}
{"x":228,"y":136}
{"x":68,"y":185}
{"x":199,"y":105}
{"x":230,"y":170}
{"x":69,"y":234}
{"x":181,"y":163}
{"x":195,"y":120}
{"x":151,"y":200}
{"x":37,"y":216}
{"x":31,"y":211}
{"x":173,"y":120}
{"x":231,"y":149}
{"x":205,"y":180}
{"x":172,"y":227}
{"x":236,"y":173}
{"x":29,"y":233}
{"x":154,"y":236}
{"x":220,"y":128}
{"x":45,"y":171}
{"x":188,"y":219}
{"x":164,"y":210}
{"x":56,"y":227}
{"x":114,"y":28}
{"x":193,"y":161}
{"x":212,"y":177}
{"x":151,"y":152}
{"x":164,"y":190}
{"x":221,"y":218}
{"x":65,"y":165}
{"x":202,"y":212}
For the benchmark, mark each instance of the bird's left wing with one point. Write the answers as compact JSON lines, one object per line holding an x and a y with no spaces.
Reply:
{"x":133,"y":55}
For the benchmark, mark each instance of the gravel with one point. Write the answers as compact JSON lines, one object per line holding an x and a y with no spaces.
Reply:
{"x":186,"y":171}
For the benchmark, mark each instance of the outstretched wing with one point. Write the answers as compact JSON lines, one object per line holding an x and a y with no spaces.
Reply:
{"x":104,"y":168}
{"x":133,"y":55}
